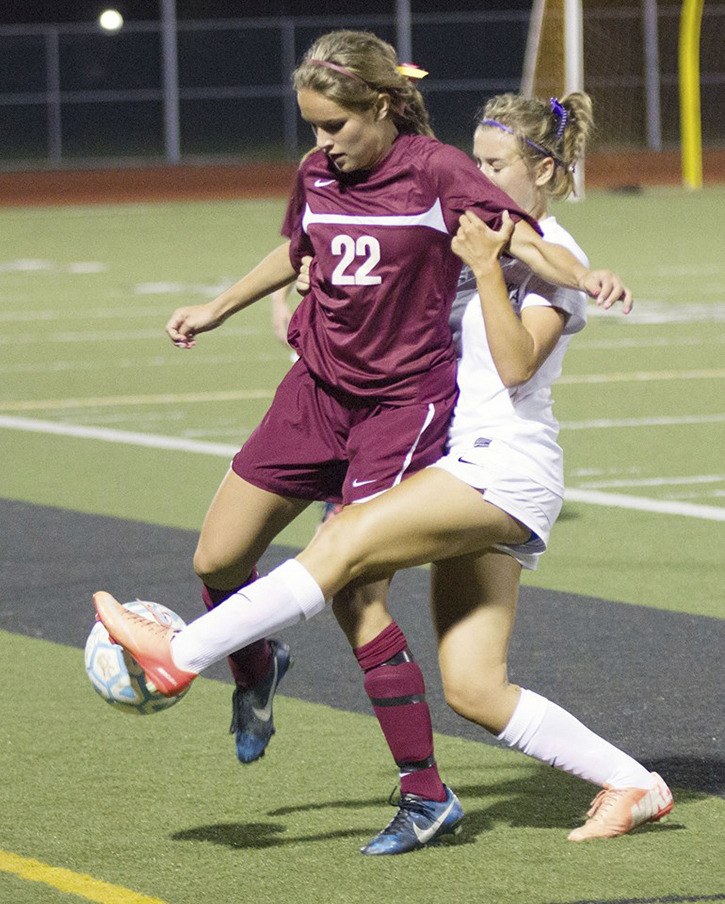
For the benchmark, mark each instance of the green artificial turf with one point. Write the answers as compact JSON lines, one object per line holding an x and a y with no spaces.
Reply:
{"x":85,"y":293}
{"x":159,"y":805}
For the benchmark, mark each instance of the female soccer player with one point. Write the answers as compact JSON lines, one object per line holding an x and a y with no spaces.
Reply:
{"x":368,"y":403}
{"x":487,"y":506}
{"x":485,"y":509}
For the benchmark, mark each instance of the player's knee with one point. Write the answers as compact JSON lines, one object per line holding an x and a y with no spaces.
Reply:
{"x":477,"y":701}
{"x":359,"y":543}
{"x":204,"y":566}
{"x":213,"y":569}
{"x":460,"y":698}
{"x":339,"y":540}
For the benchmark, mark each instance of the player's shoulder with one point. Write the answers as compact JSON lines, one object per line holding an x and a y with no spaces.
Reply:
{"x":555,"y":233}
{"x":572,"y":301}
{"x":430,"y":152}
{"x":313,"y":159}
{"x":447,"y":154}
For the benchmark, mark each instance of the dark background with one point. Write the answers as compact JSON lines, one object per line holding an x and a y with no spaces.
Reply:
{"x":234,"y":79}
{"x":72,"y":94}
{"x":24,"y":11}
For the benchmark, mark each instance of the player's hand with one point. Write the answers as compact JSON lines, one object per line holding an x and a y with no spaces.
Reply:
{"x":185,"y":323}
{"x":303,"y":277}
{"x":477,"y":244}
{"x":606,"y":288}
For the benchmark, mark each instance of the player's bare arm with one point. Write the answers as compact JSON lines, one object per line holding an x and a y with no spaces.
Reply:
{"x":281,"y":315}
{"x":558,"y":265}
{"x":519,"y":346}
{"x":273,"y":272}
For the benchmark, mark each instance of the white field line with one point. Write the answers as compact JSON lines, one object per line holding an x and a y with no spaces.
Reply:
{"x":668,"y":312}
{"x":176,"y":444}
{"x":125,"y":437}
{"x":235,"y":395}
{"x":45,"y":316}
{"x":652,"y":482}
{"x":643,"y":376}
{"x":110,"y":335}
{"x":78,"y":337}
{"x":643,"y":504}
{"x":667,"y":421}
{"x":166,"y":360}
{"x":587,"y":345}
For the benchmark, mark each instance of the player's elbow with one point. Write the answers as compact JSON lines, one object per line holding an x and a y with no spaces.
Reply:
{"x":515,"y":374}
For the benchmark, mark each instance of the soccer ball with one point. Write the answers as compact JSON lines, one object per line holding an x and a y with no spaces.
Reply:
{"x":116,"y":676}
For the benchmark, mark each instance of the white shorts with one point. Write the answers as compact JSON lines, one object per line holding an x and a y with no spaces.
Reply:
{"x":489,"y":470}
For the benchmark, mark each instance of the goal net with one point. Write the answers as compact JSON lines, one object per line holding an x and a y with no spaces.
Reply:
{"x":629,"y":66}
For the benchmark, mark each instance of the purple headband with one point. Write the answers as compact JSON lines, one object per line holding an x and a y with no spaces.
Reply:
{"x":537,"y":147}
{"x":348,"y":73}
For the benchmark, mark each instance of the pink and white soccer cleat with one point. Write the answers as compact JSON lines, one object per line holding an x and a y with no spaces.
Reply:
{"x":616,"y":811}
{"x":147,"y":641}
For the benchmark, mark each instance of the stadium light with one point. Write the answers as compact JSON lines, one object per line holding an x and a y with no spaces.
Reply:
{"x":111,"y":20}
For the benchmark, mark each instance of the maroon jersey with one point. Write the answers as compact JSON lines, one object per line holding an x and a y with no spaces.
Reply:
{"x":375,"y":322}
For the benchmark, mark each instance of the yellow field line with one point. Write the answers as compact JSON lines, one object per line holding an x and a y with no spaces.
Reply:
{"x":65,"y":880}
{"x":168,"y":398}
{"x":238,"y":395}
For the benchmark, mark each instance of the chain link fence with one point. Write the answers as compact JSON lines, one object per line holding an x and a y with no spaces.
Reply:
{"x":74,"y":95}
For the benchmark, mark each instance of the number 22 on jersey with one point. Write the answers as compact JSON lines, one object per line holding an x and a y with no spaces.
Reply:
{"x":358,"y":258}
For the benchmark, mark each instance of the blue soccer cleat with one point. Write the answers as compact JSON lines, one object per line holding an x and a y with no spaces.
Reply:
{"x":418,"y":822}
{"x":252,"y":722}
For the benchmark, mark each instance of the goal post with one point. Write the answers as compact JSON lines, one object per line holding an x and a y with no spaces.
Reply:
{"x":640,"y":61}
{"x":554,"y":56}
{"x":689,"y":80}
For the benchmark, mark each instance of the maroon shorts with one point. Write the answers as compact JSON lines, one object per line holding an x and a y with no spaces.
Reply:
{"x":317,"y":443}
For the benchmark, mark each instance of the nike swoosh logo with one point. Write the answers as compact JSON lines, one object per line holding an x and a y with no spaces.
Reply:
{"x":425,"y":835}
{"x":265,"y":714}
{"x":362,"y":483}
{"x":321,"y":183}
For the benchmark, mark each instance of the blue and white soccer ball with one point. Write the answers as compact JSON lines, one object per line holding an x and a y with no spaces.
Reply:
{"x":116,"y":676}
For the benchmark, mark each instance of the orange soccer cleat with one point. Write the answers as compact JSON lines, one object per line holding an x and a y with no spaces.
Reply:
{"x":616,"y":811}
{"x":147,"y":641}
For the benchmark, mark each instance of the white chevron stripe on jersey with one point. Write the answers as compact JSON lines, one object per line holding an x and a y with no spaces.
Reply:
{"x":432,"y":218}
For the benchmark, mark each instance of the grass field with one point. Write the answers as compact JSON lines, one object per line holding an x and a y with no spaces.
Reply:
{"x":100,"y":414}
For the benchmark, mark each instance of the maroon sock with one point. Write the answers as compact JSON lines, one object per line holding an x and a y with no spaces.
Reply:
{"x":394,"y":683}
{"x":251,"y":664}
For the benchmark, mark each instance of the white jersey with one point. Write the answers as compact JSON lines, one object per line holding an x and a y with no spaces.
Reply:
{"x":519,"y":421}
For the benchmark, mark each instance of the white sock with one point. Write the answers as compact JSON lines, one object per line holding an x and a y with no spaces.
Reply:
{"x":287,"y":595}
{"x":549,"y":733}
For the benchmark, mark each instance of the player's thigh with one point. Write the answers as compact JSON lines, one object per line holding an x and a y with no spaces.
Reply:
{"x":473,"y":603}
{"x":430,"y":516}
{"x":241,"y":522}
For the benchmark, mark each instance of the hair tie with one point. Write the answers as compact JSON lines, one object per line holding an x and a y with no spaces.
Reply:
{"x":348,"y":73}
{"x":557,"y":108}
{"x":410,"y":70}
